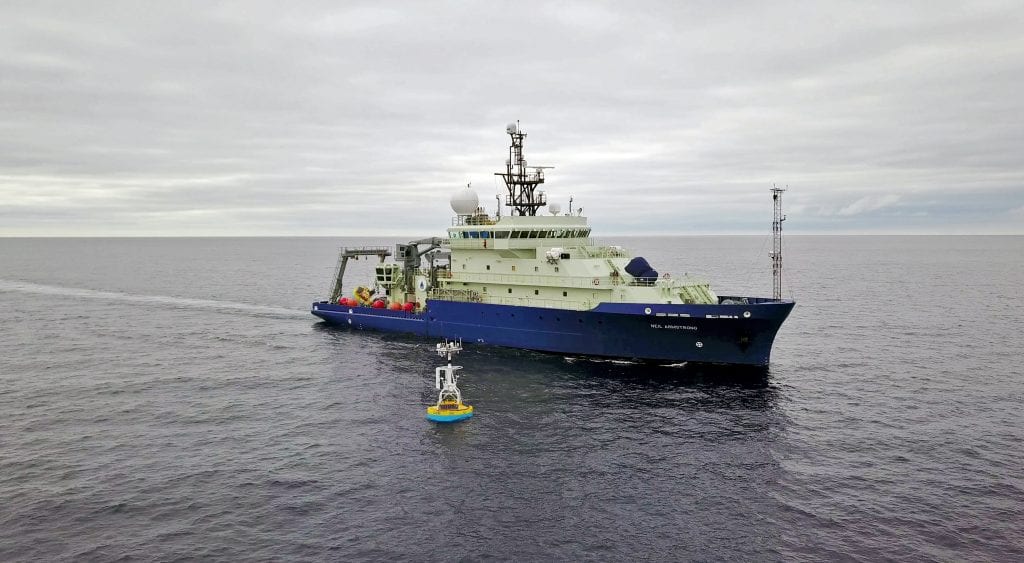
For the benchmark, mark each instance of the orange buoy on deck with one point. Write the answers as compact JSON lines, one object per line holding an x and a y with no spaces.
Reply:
{"x":409,"y":307}
{"x":396,"y":306}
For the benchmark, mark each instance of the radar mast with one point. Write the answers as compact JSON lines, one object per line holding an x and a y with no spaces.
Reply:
{"x":523,"y":197}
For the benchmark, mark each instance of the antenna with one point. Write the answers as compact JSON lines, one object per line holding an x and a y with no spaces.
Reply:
{"x":777,"y":242}
{"x":519,"y":180}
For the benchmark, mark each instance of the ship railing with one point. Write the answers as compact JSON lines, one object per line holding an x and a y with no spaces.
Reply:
{"x":596,"y":282}
{"x":537,"y":302}
{"x":476,"y":219}
{"x":527,"y":243}
{"x":477,"y":297}
{"x":464,"y":295}
{"x":668,"y":281}
{"x":602,"y":251}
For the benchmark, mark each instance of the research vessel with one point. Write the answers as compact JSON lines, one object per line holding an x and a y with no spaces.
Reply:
{"x":536,"y":280}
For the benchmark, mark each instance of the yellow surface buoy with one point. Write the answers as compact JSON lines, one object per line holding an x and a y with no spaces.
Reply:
{"x":449,"y":407}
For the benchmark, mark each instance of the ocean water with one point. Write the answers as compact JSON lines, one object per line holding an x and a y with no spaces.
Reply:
{"x":168,"y":399}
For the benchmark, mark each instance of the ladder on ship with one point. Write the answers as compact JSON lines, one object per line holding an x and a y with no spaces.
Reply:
{"x":353,"y":252}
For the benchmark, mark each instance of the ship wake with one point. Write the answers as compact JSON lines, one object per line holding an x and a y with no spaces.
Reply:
{"x":13,"y":286}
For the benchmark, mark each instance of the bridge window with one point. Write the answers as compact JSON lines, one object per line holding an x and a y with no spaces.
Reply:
{"x":474,"y":234}
{"x":501,"y":234}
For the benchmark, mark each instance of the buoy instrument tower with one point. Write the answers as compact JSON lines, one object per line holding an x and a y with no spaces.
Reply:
{"x":449,"y":407}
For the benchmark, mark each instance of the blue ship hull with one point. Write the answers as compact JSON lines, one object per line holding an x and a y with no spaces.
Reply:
{"x":719,"y":334}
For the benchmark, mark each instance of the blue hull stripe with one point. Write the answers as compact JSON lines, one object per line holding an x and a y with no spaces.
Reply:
{"x":726,"y":334}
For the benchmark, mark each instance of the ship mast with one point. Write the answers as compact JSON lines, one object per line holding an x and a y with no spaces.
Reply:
{"x":523,"y":197}
{"x":777,"y":243}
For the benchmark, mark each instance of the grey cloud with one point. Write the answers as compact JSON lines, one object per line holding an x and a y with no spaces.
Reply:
{"x":347,"y":118}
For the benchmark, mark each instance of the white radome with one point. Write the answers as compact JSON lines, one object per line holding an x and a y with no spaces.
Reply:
{"x":555,"y":208}
{"x":465,"y":201}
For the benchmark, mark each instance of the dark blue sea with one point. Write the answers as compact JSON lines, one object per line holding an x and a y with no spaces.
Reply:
{"x":172,"y":399}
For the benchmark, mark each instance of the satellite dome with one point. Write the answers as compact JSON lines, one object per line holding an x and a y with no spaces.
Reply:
{"x":465,"y":201}
{"x":555,"y":208}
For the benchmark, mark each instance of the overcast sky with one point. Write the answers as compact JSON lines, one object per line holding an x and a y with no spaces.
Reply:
{"x":346,"y":118}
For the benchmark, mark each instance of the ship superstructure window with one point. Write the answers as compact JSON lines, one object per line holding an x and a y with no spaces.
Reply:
{"x":502,"y":234}
{"x":536,"y":292}
{"x":510,"y":290}
{"x":488,"y":266}
{"x":513,"y":267}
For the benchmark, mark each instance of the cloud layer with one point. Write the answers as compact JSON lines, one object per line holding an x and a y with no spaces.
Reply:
{"x":249,"y":118}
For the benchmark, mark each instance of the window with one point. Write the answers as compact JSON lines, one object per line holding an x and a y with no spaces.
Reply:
{"x":556,"y":268}
{"x":536,"y":292}
{"x":565,"y":294}
{"x":543,"y":234}
{"x":510,"y":290}
{"x":502,"y":234}
{"x":513,"y":267}
{"x":536,"y":268}
{"x":533,"y":234}
{"x":488,"y":267}
{"x":474,"y":234}
{"x":485,"y":234}
{"x":485,"y":289}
